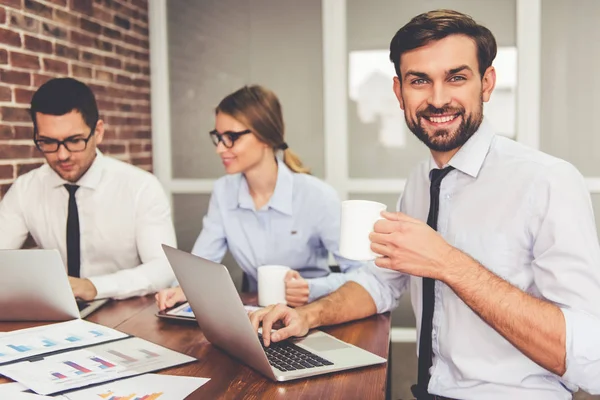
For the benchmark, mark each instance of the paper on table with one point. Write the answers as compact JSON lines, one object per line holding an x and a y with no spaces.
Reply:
{"x":97,"y":364}
{"x":154,"y":386}
{"x":14,"y":391}
{"x":31,"y":396}
{"x":29,"y":342}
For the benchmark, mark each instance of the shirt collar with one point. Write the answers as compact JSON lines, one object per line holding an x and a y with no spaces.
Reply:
{"x":469,"y":159}
{"x":91,"y":179}
{"x":282,"y":198}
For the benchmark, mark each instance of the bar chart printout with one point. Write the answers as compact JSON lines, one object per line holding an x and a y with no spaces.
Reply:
{"x":111,"y":396}
{"x":142,"y":387}
{"x":29,"y":342}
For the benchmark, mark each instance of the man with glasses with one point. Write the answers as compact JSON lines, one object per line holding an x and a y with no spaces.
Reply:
{"x":106,"y":217}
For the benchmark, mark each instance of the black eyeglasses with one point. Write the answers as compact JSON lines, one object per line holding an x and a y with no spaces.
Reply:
{"x":72,"y":144}
{"x":228,"y":138}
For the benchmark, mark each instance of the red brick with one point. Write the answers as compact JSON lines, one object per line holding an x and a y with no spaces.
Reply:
{"x":112,"y":62}
{"x":133,"y":68}
{"x":66,"y":52}
{"x":15,"y":77}
{"x":23,"y":131}
{"x":143,"y":4}
{"x":92,"y":58}
{"x":4,"y":188}
{"x":62,"y":3}
{"x":9,"y":37}
{"x":2,"y":15}
{"x":26,"y":61}
{"x":59,"y":67}
{"x":135,"y":134}
{"x":123,"y":51}
{"x":25,"y":168}
{"x":81,"y":72}
{"x":140,"y":147}
{"x":38,"y":9}
{"x":140,"y":29}
{"x":141,"y":160}
{"x":90,"y":26}
{"x":3,"y":56}
{"x":12,"y":3}
{"x":103,"y":45}
{"x":142,"y":109}
{"x":5,"y":94}
{"x":7,"y":172}
{"x":6,"y":132}
{"x":40,"y":79}
{"x":83,"y":6}
{"x":65,"y":18}
{"x":12,"y":151}
{"x":14,"y":114}
{"x":124,"y":107}
{"x":104,"y":76}
{"x":111,"y":33}
{"x":122,"y":22}
{"x":54,"y":31}
{"x":38,"y":45}
{"x":82,"y":39}
{"x":124,"y":80}
{"x":102,"y":14}
{"x":23,"y":95}
{"x":24,"y":22}
{"x":112,"y":148}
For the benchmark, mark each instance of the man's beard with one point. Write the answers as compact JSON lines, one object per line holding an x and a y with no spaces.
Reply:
{"x":443,"y":140}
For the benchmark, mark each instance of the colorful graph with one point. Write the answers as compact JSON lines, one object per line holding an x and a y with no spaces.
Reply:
{"x":110,"y":396}
{"x":20,"y":349}
{"x":149,"y":354}
{"x":97,"y":333}
{"x":58,"y":375}
{"x":80,"y":370}
{"x":126,"y":359}
{"x":48,"y":343}
{"x":73,"y":339}
{"x":103,"y":363}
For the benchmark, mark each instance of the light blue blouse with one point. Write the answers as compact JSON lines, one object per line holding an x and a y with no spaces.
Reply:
{"x":298,"y":228}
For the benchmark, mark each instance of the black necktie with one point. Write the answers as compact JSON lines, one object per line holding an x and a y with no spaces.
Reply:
{"x":425,"y":349}
{"x":73,"y":238}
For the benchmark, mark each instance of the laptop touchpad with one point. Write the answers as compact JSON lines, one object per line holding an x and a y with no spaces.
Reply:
{"x":323,"y":343}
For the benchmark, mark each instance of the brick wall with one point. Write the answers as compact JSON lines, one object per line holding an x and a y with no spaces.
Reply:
{"x":103,"y":43}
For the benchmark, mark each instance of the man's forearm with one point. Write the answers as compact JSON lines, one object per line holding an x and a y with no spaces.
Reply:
{"x":534,"y":326}
{"x":349,"y":302}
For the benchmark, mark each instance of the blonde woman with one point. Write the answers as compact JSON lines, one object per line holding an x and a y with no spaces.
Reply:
{"x":267,"y":209}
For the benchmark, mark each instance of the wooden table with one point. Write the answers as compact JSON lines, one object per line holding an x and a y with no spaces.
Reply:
{"x":231,"y":379}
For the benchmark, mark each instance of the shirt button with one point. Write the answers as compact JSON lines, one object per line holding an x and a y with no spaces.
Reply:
{"x":447,"y":197}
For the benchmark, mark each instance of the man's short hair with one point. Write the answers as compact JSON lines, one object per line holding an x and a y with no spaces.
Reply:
{"x":439,"y":24}
{"x":60,"y":96}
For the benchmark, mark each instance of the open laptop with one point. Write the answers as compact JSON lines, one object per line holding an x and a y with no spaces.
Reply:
{"x":35,"y":287}
{"x":225,"y":323}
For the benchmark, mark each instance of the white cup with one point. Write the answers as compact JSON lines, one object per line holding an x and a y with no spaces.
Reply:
{"x":271,"y":284}
{"x":358,"y":219}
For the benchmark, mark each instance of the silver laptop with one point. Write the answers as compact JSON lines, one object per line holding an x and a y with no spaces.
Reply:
{"x":35,"y":287}
{"x":225,"y":323}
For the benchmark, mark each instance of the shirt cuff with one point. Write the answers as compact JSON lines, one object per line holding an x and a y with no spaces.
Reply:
{"x":105,"y":286}
{"x":583,"y":352}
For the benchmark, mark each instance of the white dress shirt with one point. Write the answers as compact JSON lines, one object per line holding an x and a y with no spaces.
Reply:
{"x":527,"y":217}
{"x":124,"y":217}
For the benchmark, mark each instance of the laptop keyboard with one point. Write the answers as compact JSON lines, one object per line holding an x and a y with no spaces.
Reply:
{"x":286,"y":356}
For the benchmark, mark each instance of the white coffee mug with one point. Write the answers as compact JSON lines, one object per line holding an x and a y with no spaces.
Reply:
{"x":271,"y":284}
{"x":358,"y":219}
